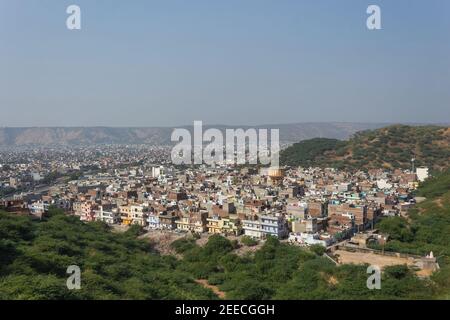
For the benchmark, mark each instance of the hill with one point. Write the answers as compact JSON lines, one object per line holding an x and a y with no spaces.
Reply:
{"x":426,"y":229}
{"x":34,"y":257}
{"x":389,"y":147}
{"x":42,"y":136}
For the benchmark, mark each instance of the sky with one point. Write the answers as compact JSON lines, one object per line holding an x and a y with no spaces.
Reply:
{"x":236,"y":62}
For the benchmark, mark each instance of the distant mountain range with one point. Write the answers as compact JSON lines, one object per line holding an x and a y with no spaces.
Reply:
{"x":42,"y":136}
{"x":45,"y":136}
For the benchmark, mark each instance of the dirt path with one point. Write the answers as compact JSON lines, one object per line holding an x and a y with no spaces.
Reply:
{"x":119,"y":228}
{"x":347,"y":257}
{"x":161,"y":241}
{"x":215,"y":289}
{"x":439,"y":202}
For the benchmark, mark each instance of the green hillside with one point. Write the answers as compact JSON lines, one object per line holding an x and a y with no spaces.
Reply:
{"x":310,"y":152}
{"x":34,"y":257}
{"x":116,"y":267}
{"x":390,"y":147}
{"x":427,"y":229}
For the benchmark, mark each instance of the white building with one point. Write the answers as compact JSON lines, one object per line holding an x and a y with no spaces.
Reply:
{"x":156,"y":172}
{"x":252,"y":228}
{"x":422,"y":173}
{"x":266,"y":225}
{"x":111,"y":216}
{"x":38,"y":208}
{"x":309,"y":239}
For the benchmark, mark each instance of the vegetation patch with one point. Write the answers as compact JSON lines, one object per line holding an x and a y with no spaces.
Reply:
{"x":390,"y":147}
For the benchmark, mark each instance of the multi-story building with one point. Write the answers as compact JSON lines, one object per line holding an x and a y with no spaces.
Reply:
{"x":232,"y":225}
{"x":108,"y":215}
{"x":214,"y":224}
{"x":38,"y":208}
{"x":139,"y":214}
{"x":85,"y":210}
{"x":316,"y":209}
{"x":153,"y":221}
{"x":125,"y":215}
{"x":296,"y":211}
{"x":167,"y":220}
{"x":76,"y":207}
{"x":307,"y":225}
{"x":274,"y":225}
{"x":229,"y":225}
{"x":265,"y":225}
{"x":134,"y":214}
{"x":252,"y":228}
{"x":64,"y":204}
{"x":194,"y":221}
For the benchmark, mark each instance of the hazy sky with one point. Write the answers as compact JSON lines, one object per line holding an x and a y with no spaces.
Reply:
{"x":169,"y":62}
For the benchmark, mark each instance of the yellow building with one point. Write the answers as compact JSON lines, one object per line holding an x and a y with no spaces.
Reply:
{"x":215,"y":225}
{"x":228,"y":225}
{"x":134,"y":214}
{"x":183,"y":223}
{"x":125,"y":215}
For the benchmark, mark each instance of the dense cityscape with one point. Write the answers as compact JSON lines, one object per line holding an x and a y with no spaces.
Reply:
{"x":136,"y":185}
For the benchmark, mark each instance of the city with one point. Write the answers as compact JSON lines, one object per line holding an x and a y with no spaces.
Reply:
{"x":136,"y":185}
{"x":224,"y":159}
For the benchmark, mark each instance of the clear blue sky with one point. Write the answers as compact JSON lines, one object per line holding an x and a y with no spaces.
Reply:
{"x":150,"y":63}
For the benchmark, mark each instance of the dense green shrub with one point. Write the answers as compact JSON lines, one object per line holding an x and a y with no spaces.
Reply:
{"x":248,"y":241}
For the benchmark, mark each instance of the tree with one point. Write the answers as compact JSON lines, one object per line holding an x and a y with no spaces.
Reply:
{"x":317,"y":249}
{"x":248,"y":241}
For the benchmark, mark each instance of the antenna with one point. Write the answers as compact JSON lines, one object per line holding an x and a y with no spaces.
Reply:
{"x":412,"y":164}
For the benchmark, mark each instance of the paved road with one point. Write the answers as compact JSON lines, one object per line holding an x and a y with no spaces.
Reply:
{"x":41,"y":189}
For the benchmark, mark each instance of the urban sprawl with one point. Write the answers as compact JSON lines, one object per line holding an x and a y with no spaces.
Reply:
{"x":124,"y":185}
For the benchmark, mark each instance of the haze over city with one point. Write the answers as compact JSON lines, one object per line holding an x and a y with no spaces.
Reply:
{"x":155,"y":63}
